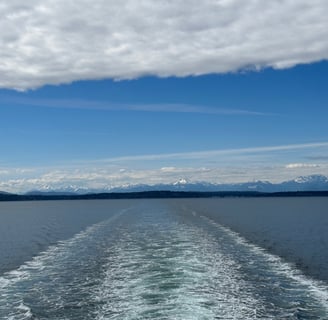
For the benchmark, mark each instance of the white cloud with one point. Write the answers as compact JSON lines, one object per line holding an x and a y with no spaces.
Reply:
{"x":100,"y":178}
{"x":301,"y":165}
{"x":272,"y":163}
{"x":15,"y":171}
{"x":59,"y":41}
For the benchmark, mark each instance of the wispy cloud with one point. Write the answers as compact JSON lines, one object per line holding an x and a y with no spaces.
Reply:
{"x":272,"y":163}
{"x":67,"y":40}
{"x":108,"y":106}
{"x":217,"y":153}
{"x":107,"y":178}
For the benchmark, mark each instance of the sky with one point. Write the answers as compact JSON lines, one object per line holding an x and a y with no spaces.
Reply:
{"x":99,"y":94}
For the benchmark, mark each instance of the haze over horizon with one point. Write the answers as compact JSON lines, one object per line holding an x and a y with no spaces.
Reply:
{"x":96,"y":94}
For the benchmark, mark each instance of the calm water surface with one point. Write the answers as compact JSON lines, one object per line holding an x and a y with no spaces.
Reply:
{"x":164,"y":259}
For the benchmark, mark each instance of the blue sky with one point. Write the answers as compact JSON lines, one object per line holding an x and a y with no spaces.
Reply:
{"x":215,"y":116}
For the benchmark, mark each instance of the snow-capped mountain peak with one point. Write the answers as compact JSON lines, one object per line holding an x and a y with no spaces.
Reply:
{"x":302,"y":183}
{"x":180,"y":182}
{"x":315,"y":178}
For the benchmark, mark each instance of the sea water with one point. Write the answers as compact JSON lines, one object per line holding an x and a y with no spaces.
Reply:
{"x":164,"y":259}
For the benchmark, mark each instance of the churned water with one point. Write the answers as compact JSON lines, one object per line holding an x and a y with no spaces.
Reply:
{"x":146,"y":259}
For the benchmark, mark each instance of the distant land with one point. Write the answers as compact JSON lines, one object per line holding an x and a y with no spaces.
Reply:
{"x":302,"y":183}
{"x":314,"y":185}
{"x":160,"y":195}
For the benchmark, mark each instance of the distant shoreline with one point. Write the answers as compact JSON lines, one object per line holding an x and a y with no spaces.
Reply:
{"x":162,"y":195}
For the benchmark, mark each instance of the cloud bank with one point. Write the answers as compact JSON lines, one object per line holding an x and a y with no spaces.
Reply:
{"x":271,"y":163}
{"x":100,"y":179}
{"x":57,"y":41}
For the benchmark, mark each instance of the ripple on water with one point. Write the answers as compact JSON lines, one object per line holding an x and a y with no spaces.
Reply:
{"x":145,"y":263}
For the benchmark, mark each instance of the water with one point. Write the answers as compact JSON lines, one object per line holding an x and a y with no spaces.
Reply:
{"x":293,"y":228}
{"x":150,"y":259}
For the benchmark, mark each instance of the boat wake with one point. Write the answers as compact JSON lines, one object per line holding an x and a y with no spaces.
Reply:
{"x":150,"y":262}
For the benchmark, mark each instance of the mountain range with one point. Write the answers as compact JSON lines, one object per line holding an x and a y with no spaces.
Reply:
{"x":302,"y":183}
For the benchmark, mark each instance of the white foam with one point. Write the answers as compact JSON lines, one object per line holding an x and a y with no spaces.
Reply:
{"x":162,"y":270}
{"x":44,"y":263}
{"x":27,"y":312}
{"x":181,"y":276}
{"x":317,"y":288}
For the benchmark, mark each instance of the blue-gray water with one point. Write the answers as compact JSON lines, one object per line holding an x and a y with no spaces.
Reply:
{"x":164,"y":259}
